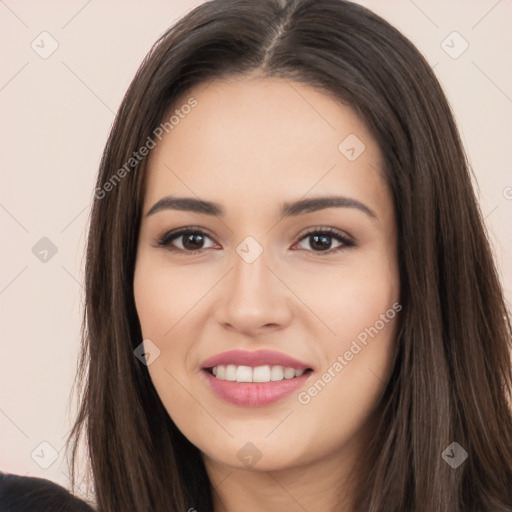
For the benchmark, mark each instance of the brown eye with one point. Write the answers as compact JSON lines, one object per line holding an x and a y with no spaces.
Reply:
{"x":192,"y":241}
{"x":185,"y":240}
{"x":321,"y":241}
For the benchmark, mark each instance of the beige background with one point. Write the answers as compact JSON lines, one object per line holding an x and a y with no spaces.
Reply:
{"x":55,"y":117}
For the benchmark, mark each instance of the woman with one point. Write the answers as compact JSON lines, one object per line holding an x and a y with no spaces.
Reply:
{"x":291,"y":302}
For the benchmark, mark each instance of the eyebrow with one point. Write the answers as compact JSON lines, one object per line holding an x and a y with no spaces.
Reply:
{"x":288,"y":209}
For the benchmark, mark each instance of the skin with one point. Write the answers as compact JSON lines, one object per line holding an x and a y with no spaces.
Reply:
{"x":250,"y":144}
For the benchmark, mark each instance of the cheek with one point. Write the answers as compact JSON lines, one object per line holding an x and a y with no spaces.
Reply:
{"x":350,"y":298}
{"x":363,"y":306}
{"x":151,"y":295}
{"x":359,"y":302}
{"x":164,"y":296}
{"x":347,"y":390}
{"x":167,"y":302}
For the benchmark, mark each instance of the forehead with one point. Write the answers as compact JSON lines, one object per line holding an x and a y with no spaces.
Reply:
{"x":249,"y":139}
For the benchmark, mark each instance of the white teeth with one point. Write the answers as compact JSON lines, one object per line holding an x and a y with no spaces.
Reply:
{"x":264,"y":373}
{"x":289,"y":373}
{"x":231,"y":372}
{"x":261,"y":374}
{"x":221,"y":372}
{"x":277,"y":373}
{"x":244,"y":374}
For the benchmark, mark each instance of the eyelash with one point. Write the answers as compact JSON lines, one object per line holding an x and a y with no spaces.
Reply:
{"x":165,"y":241}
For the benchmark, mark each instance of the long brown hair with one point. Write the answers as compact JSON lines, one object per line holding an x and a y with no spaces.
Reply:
{"x":452,"y":376}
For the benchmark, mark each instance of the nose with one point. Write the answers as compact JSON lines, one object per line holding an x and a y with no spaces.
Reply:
{"x":253,"y":300}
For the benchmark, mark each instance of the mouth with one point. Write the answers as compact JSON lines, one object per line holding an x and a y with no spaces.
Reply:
{"x":258,"y":374}
{"x":253,"y":386}
{"x":254,"y":378}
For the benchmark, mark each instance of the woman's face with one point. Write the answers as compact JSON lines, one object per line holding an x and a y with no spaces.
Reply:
{"x":290,"y":283}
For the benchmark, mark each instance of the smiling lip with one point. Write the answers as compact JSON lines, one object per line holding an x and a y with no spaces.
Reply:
{"x":253,"y":359}
{"x":254,"y":394}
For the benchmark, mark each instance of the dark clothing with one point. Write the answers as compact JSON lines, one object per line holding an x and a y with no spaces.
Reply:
{"x":29,"y":494}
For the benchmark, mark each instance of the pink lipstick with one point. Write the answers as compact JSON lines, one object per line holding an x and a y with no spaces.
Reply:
{"x":256,"y":378}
